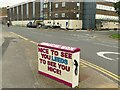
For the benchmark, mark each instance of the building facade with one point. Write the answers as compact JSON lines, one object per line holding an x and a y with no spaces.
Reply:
{"x":3,"y":15}
{"x":105,"y":16}
{"x":66,"y":15}
{"x":22,"y":13}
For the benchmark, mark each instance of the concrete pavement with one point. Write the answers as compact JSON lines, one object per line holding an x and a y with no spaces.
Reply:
{"x":20,"y":68}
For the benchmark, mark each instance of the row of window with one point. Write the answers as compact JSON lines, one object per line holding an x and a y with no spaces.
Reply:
{"x":114,"y":1}
{"x":63,"y":4}
{"x":57,"y":5}
{"x":62,"y":15}
{"x":106,"y":17}
{"x":104,"y":7}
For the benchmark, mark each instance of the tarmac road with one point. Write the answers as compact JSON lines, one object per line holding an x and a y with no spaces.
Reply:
{"x":90,"y":43}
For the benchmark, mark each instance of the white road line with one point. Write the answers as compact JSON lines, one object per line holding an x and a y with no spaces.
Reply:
{"x":102,"y":54}
{"x":106,"y":45}
{"x":113,"y":43}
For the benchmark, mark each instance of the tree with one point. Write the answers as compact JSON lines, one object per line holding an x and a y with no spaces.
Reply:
{"x":117,"y":8}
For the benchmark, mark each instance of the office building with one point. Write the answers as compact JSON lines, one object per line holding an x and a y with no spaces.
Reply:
{"x":66,"y":15}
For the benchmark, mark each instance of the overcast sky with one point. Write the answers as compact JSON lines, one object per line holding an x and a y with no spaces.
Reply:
{"x":4,"y":3}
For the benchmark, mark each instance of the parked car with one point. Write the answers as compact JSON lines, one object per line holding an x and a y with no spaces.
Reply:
{"x":31,"y":25}
{"x":39,"y":23}
{"x":35,"y":24}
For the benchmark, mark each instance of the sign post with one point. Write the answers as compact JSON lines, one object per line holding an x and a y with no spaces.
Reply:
{"x":60,"y":63}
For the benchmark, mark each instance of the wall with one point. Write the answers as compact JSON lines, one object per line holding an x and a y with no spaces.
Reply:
{"x":20,"y":23}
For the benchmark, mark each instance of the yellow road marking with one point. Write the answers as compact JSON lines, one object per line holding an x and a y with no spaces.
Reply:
{"x":25,"y":38}
{"x":82,"y":65}
{"x":112,"y":75}
{"x":20,"y":36}
{"x":34,"y":42}
{"x":101,"y":68}
{"x":104,"y":72}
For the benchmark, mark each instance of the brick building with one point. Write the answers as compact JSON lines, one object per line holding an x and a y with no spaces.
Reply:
{"x":24,"y":12}
{"x":63,"y":14}
{"x":66,"y":15}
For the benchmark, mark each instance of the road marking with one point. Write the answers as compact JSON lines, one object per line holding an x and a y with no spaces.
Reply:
{"x":108,"y":42}
{"x":102,"y":54}
{"x":34,"y":42}
{"x":107,"y":45}
{"x":25,"y":38}
{"x":19,"y":36}
{"x":104,"y":71}
{"x":82,"y":65}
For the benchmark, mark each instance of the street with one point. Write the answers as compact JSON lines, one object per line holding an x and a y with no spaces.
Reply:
{"x":90,"y":43}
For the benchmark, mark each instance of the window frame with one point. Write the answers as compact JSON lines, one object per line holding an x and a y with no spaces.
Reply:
{"x":56,"y":5}
{"x":63,"y":4}
{"x":56,"y":15}
{"x":63,"y":15}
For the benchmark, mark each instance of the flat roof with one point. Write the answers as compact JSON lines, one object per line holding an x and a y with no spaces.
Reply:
{"x":21,"y":3}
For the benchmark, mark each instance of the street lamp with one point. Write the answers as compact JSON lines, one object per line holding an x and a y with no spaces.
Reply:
{"x":118,"y":10}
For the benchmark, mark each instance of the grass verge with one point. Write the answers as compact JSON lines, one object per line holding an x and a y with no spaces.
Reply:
{"x":115,"y":36}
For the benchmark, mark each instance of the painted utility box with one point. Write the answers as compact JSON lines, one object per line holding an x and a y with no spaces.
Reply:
{"x":60,"y":63}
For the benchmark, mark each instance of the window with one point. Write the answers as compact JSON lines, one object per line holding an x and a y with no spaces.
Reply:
{"x":63,"y":4}
{"x":78,"y":4}
{"x":50,"y":14}
{"x":63,"y":14}
{"x":45,"y":15}
{"x":56,"y":15}
{"x":104,"y":7}
{"x":77,"y":15}
{"x":56,"y":5}
{"x":45,"y":5}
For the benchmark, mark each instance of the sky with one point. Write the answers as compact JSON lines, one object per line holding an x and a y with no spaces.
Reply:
{"x":4,"y":3}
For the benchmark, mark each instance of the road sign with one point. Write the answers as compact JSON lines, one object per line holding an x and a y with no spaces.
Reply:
{"x":60,"y":63}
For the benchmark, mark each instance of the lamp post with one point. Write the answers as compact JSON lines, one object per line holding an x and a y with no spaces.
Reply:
{"x":118,"y":10}
{"x":22,"y":13}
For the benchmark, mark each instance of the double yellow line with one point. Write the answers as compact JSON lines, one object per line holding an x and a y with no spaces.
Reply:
{"x":102,"y":70}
